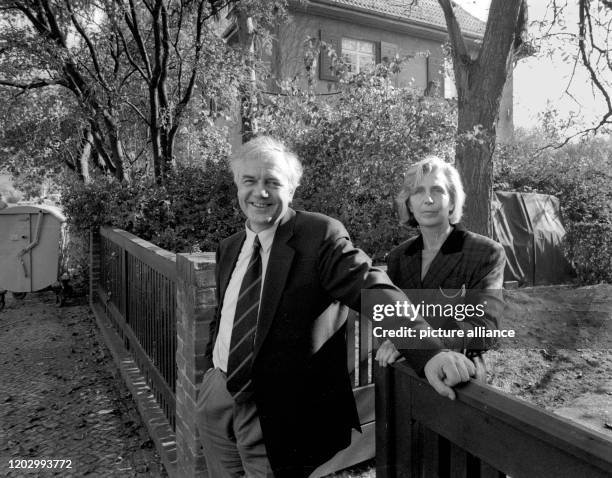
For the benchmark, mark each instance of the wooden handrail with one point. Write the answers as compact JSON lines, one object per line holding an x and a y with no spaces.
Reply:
{"x":155,"y":257}
{"x":484,"y":425}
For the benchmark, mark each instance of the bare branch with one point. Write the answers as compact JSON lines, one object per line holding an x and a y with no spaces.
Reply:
{"x":605,"y":120}
{"x":137,"y":111}
{"x":140,"y":153}
{"x":180,"y":107}
{"x":55,"y":30}
{"x":582,"y":26}
{"x":571,"y":79}
{"x":148,"y":5}
{"x":90,"y":46}
{"x":126,"y":77}
{"x":132,"y":23}
{"x":144,"y":75}
{"x":41,"y":27}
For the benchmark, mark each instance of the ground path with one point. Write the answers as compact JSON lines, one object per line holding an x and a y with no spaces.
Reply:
{"x":563,"y":360}
{"x":62,"y":398}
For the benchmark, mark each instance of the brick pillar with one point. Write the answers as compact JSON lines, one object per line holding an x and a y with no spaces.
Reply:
{"x":195,"y":301}
{"x":94,"y":262}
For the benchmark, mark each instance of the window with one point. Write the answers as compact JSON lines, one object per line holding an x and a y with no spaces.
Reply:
{"x":359,"y":55}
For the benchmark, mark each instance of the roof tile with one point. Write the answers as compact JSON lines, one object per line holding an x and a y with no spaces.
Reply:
{"x":426,"y":11}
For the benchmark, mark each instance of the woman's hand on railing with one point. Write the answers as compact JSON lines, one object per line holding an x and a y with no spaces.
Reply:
{"x":446,"y":369}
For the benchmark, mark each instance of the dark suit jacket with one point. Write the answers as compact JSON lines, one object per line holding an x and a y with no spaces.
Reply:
{"x":304,"y":398}
{"x":466,"y":262}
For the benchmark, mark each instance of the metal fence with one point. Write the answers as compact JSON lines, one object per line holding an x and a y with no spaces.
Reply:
{"x":136,"y":287}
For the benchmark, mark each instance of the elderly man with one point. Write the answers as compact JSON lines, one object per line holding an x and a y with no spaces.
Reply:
{"x":278,"y":401}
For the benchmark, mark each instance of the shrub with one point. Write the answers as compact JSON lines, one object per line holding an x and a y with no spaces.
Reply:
{"x":589,"y":248}
{"x":75,"y":260}
{"x":580,"y":176}
{"x":13,"y":196}
{"x":194,"y":210}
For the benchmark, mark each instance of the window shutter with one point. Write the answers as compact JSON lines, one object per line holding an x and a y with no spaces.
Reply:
{"x":325,"y":61}
{"x":388,"y":51}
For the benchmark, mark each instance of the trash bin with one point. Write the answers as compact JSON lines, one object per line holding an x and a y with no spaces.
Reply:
{"x":31,"y":247}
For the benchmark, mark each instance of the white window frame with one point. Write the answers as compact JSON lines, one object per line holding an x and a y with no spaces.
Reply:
{"x":360,"y":64}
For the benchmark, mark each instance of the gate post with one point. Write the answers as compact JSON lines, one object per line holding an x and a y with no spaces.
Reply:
{"x":195,"y":309}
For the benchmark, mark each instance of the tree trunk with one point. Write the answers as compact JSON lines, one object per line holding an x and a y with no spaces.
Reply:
{"x":477,"y":117}
{"x":155,"y":134}
{"x":246,"y":34}
{"x":474,"y":160}
{"x":480,"y":77}
{"x":116,"y":147}
{"x":83,"y":166}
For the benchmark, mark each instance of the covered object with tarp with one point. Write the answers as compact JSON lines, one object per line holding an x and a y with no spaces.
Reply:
{"x":529,"y":227}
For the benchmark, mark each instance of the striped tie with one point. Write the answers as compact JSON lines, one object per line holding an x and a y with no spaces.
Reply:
{"x":243,"y":331}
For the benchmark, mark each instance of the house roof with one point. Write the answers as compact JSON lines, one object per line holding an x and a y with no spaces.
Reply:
{"x":427,"y":12}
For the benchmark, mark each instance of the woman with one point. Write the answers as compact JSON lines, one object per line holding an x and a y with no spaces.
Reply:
{"x":455,"y":265}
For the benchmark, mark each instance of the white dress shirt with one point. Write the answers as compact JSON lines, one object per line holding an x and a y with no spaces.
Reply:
{"x":230,"y":300}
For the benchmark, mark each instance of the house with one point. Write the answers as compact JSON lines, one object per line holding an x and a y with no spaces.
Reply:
{"x":364,"y":32}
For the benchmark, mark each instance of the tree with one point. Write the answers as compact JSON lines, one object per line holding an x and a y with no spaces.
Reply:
{"x":579,"y":32}
{"x":140,"y":72}
{"x":37,"y":138}
{"x":480,"y":77}
{"x":255,"y":27}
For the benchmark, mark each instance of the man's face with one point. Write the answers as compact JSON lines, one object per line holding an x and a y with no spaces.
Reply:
{"x":264,"y":191}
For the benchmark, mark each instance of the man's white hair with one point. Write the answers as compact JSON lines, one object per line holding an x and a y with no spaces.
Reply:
{"x":267,"y":148}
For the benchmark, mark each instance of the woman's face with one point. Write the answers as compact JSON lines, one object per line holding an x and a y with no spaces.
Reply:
{"x":430,"y":202}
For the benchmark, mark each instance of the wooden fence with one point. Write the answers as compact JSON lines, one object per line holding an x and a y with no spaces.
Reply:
{"x":483,"y":433}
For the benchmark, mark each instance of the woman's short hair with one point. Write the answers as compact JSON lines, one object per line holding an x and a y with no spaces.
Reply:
{"x":267,"y":148}
{"x":413,"y":178}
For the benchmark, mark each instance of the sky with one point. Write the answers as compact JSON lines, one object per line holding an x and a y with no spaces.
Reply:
{"x":541,"y":81}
